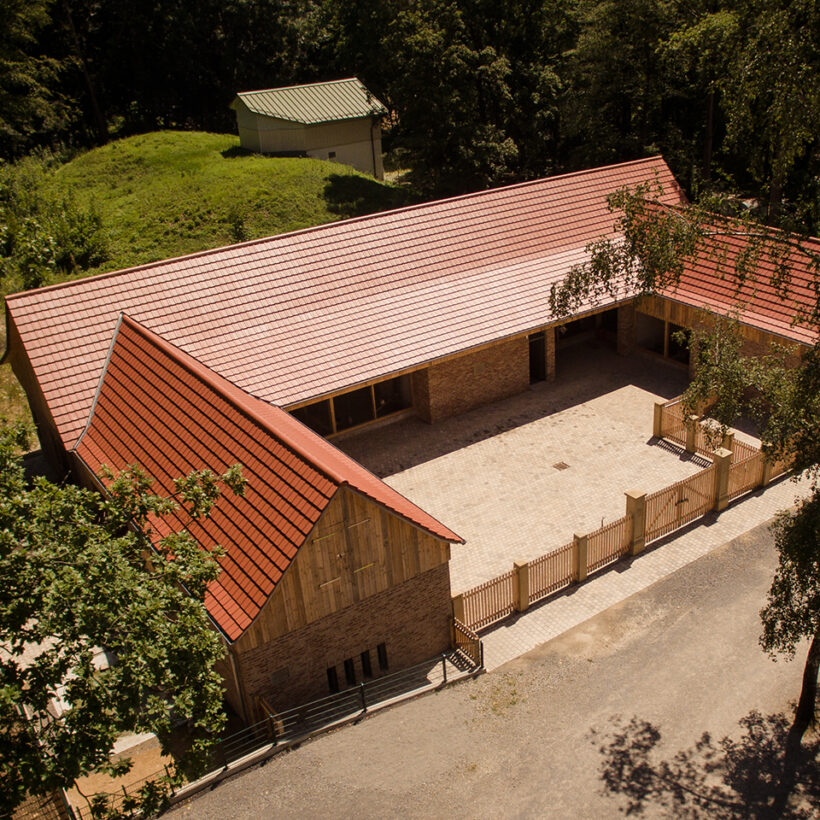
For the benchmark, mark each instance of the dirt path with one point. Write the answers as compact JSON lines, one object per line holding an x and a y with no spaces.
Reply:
{"x":517,"y":742}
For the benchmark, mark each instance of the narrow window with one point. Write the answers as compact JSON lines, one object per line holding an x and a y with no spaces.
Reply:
{"x":381,"y":650}
{"x":350,"y":672}
{"x":367,"y":669}
{"x":331,"y":155}
{"x":332,"y":679}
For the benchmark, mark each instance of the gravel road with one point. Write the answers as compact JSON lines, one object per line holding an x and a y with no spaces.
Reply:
{"x":518,"y":742}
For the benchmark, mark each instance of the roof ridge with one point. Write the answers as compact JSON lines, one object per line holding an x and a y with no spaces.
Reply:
{"x":331,"y":225}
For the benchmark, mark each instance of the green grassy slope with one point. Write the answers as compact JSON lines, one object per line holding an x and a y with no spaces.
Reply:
{"x":170,"y":193}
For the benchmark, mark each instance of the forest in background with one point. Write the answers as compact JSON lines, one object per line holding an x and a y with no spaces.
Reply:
{"x":479,"y":93}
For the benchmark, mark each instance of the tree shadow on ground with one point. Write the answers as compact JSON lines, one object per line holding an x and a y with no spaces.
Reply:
{"x":729,"y":778}
{"x":235,"y":151}
{"x":348,"y":195}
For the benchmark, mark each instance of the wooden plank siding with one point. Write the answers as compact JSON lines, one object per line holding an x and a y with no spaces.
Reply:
{"x":756,"y":341}
{"x":356,"y":550}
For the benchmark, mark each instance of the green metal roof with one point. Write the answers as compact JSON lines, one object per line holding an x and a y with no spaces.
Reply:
{"x":314,"y":103}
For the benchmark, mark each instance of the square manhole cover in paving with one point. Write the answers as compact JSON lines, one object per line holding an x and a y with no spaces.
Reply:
{"x":561,"y":465}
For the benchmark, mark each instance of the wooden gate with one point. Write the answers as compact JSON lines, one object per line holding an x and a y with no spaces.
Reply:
{"x":675,"y":506}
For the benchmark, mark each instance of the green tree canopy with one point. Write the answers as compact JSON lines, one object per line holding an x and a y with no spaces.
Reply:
{"x":84,"y":575}
{"x":779,"y":390}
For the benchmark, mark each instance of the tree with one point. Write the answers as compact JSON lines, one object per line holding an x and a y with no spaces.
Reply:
{"x":83,"y":575}
{"x":781,"y":391}
{"x":32,"y":110}
{"x":450,"y":96}
{"x":772,"y":91}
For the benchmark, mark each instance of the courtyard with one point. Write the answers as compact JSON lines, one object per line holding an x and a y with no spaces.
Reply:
{"x":518,"y":478}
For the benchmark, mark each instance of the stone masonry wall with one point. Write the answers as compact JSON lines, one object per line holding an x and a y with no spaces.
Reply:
{"x":462,"y":383}
{"x":412,"y":619}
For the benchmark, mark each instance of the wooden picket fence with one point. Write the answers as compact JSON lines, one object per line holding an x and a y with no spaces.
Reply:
{"x":553,"y":571}
{"x":490,"y":601}
{"x":746,"y":470}
{"x":673,"y":424}
{"x":665,"y":511}
{"x":609,"y":543}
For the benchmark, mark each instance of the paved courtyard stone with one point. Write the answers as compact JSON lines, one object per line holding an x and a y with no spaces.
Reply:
{"x":521,"y":476}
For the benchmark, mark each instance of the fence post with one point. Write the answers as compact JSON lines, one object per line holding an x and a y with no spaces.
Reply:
{"x":636,"y":507}
{"x":581,"y":547}
{"x":444,"y":666}
{"x":768,"y":466}
{"x":691,"y":432}
{"x":723,"y":460}
{"x":657,"y":421}
{"x":728,"y":442}
{"x":522,"y":585}
{"x":458,"y":608}
{"x":363,"y":697}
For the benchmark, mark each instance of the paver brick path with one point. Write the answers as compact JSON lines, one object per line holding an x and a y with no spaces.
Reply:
{"x":490,"y":475}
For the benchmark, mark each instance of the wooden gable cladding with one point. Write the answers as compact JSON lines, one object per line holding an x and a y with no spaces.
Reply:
{"x":756,"y":341}
{"x":357,"y":549}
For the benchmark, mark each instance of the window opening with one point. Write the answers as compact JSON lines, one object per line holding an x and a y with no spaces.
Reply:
{"x":367,"y":669}
{"x":350,"y":672}
{"x":332,"y":680}
{"x":381,"y":651}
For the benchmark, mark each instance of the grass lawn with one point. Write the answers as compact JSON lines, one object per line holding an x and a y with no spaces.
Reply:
{"x":170,"y":193}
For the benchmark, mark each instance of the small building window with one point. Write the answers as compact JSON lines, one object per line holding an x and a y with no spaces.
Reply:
{"x":367,"y":669}
{"x":331,"y":155}
{"x":332,"y":679}
{"x":381,"y":651}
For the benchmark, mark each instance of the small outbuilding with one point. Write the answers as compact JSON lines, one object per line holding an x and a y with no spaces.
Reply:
{"x":338,"y":121}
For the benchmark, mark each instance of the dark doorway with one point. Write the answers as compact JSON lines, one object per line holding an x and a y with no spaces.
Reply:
{"x":538,"y":357}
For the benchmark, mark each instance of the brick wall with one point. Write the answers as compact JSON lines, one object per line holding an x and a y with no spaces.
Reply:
{"x":412,"y":619}
{"x":456,"y":385}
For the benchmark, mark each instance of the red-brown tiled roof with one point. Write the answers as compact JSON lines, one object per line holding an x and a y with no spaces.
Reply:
{"x":160,"y":408}
{"x":304,"y":314}
{"x":709,"y":281}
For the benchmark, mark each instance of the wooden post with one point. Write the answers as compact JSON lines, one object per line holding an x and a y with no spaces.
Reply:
{"x":657,"y":421}
{"x":522,"y":577}
{"x":636,"y":506}
{"x":581,"y":549}
{"x":768,"y":466}
{"x":723,"y":460}
{"x":728,"y":442}
{"x":691,"y":432}
{"x":458,"y":608}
